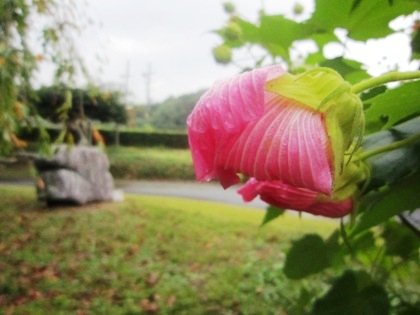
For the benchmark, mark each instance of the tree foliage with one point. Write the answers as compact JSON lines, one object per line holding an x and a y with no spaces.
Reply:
{"x":101,"y":106}
{"x":54,"y":25}
{"x":171,"y":114}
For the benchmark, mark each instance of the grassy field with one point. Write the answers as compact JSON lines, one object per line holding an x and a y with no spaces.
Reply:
{"x":145,"y":255}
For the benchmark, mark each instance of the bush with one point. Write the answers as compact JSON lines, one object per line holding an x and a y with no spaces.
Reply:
{"x":126,"y":138}
{"x":147,"y":139}
{"x":150,"y":163}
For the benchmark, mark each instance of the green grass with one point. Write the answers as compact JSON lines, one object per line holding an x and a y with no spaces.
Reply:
{"x":150,"y":163}
{"x":144,"y":255}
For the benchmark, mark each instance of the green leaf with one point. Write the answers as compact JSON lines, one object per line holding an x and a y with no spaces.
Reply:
{"x":314,"y":58}
{"x":307,"y":256}
{"x":372,"y":93}
{"x":250,"y":32}
{"x":336,"y":250}
{"x":272,"y":213}
{"x":403,"y":196}
{"x":350,"y":70}
{"x":389,"y":167}
{"x":400,"y":241}
{"x":363,"y":19}
{"x":353,"y":293}
{"x":356,"y":3}
{"x":321,"y":39}
{"x":364,"y":242}
{"x":393,"y":106}
{"x":277,"y":34}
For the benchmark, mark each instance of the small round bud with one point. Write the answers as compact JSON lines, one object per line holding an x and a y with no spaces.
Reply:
{"x":222,"y":54}
{"x":229,"y":7}
{"x":298,"y":9}
{"x":233,"y":31}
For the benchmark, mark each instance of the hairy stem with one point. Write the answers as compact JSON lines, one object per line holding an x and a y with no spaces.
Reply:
{"x":386,"y":78}
{"x":389,"y":147}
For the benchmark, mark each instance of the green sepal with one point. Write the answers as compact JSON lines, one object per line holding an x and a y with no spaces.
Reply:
{"x":310,"y":88}
{"x":271,"y":213}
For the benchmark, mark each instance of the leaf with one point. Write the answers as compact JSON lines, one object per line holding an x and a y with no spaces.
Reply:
{"x":403,"y":196}
{"x":336,"y":250}
{"x":393,"y":106}
{"x":271,"y":213}
{"x":400,"y":241}
{"x":389,"y":167}
{"x":353,"y":293}
{"x":363,"y":19}
{"x":355,"y":4}
{"x":277,"y":34}
{"x":350,"y":70}
{"x":250,"y":32}
{"x":372,"y":93}
{"x":321,"y":39}
{"x":314,"y":58}
{"x":364,"y":242}
{"x":307,"y":256}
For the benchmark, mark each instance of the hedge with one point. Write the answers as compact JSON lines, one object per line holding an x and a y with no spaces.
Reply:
{"x":126,"y":138}
{"x":147,"y":139}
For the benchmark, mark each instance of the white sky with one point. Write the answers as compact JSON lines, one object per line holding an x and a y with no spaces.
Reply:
{"x":172,"y":36}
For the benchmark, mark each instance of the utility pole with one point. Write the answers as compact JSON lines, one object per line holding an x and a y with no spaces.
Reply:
{"x":127,"y":80}
{"x":148,"y":78}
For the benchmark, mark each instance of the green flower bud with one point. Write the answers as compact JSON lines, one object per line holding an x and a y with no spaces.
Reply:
{"x":222,"y":54}
{"x":232,"y":31}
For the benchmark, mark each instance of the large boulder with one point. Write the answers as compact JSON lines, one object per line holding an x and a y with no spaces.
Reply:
{"x":74,"y":174}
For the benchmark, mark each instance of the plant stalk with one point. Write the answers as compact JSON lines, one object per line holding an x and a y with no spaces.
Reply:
{"x":385,"y":78}
{"x":389,"y":147}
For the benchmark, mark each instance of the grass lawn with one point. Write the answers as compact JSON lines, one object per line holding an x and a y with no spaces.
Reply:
{"x":147,"y":254}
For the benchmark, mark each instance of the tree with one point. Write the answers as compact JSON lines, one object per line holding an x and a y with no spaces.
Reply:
{"x":93,"y":104}
{"x":173,"y":112}
{"x":20,"y":57}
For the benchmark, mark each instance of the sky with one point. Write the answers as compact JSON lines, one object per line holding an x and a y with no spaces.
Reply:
{"x":170,"y":39}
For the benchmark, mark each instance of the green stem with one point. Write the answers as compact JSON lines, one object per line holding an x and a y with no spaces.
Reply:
{"x":389,"y":147}
{"x":386,"y":78}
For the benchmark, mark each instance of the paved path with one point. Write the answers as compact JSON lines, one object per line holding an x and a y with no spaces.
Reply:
{"x":188,"y":189}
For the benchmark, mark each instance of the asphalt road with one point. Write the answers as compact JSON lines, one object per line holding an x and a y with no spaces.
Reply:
{"x":188,"y":189}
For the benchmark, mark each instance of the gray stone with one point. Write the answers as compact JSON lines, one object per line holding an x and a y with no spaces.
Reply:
{"x":78,"y":174}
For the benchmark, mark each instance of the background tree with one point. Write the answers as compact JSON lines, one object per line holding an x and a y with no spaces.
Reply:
{"x":33,"y":32}
{"x":76,"y":108}
{"x":97,"y":105}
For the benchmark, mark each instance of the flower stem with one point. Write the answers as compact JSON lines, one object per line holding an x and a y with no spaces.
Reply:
{"x":385,"y":78}
{"x":389,"y":147}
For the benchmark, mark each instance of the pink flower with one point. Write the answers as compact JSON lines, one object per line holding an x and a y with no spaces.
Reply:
{"x":284,"y":132}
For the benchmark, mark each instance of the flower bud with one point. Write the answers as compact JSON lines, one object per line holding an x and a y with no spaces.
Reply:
{"x":288,"y":133}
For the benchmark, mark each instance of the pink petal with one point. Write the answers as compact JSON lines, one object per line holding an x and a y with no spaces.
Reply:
{"x":288,"y":143}
{"x":287,"y":197}
{"x":220,"y":117}
{"x":237,"y":127}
